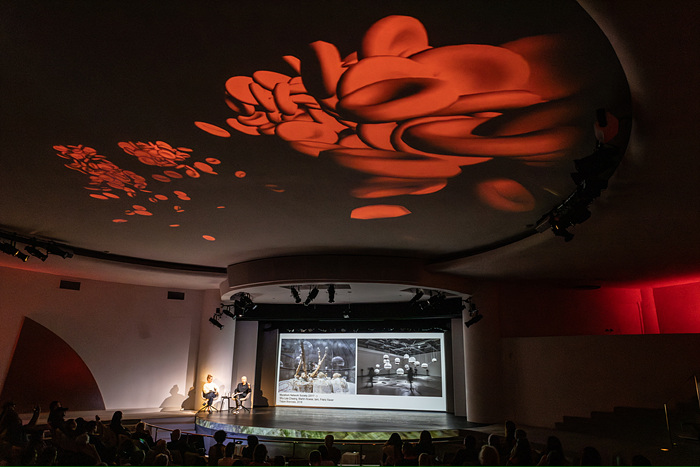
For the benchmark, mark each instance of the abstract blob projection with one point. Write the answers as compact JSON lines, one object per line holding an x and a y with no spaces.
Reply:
{"x":411,"y":116}
{"x":109,"y":181}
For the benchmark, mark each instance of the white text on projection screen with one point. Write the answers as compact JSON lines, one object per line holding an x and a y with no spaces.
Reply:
{"x":403,"y":371}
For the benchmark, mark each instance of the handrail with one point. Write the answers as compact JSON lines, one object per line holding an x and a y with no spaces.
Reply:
{"x":294,"y":442}
{"x":676,"y":392}
{"x":677,"y":389}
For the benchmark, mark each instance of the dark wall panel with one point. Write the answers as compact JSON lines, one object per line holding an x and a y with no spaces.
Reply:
{"x":45,"y":368}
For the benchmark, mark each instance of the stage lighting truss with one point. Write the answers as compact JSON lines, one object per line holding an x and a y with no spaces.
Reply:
{"x":591,"y":178}
{"x":32,"y":247}
{"x":295,"y":294}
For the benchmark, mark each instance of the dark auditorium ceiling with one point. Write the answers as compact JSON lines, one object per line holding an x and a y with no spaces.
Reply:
{"x":214,"y":133}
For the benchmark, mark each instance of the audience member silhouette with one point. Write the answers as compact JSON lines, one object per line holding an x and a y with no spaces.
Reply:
{"x":425,"y":444}
{"x":12,"y":430}
{"x":391,"y":452}
{"x":217,"y":451}
{"x":489,"y":456}
{"x":330,"y":452}
{"x":409,"y":455}
{"x":590,"y":456}
{"x":522,"y":452}
{"x":247,"y":452}
{"x":260,"y":455}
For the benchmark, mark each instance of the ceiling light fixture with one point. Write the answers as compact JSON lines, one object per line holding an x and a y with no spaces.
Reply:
{"x":295,"y":294}
{"x":312,"y":295}
{"x":12,"y":250}
{"x":416,"y":297}
{"x":215,"y":319}
{"x":226,"y":309}
{"x":474,"y":315}
{"x":37,"y":253}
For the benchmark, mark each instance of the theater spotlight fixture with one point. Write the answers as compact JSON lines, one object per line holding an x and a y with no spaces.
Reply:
{"x":226,"y":309}
{"x":331,"y":293}
{"x":12,"y":250}
{"x":295,"y":294}
{"x":54,"y":250}
{"x":312,"y":295}
{"x":32,"y":250}
{"x":436,"y":299}
{"x":416,"y":297}
{"x":474,"y":315}
{"x":247,"y":302}
{"x":216,"y":322}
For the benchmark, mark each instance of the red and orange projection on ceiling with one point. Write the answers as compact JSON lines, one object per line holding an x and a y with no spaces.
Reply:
{"x":411,"y":116}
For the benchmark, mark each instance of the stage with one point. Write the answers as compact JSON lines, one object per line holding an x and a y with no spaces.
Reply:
{"x":344,"y":424}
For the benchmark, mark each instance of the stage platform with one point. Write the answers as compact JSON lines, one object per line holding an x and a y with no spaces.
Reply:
{"x":343,"y":424}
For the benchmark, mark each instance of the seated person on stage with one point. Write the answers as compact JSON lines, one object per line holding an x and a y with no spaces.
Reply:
{"x":242,"y":392}
{"x":210,"y":391}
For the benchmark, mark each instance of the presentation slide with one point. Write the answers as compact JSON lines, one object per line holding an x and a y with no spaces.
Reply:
{"x":362,"y":370}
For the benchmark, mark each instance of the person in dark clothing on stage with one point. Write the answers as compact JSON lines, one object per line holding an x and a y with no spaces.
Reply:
{"x":242,"y":392}
{"x":409,"y":376}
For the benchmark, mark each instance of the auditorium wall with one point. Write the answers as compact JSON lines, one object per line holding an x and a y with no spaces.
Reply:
{"x":140,"y":347}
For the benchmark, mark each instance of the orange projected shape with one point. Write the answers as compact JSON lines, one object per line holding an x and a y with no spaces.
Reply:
{"x":400,"y":36}
{"x":161,"y":178}
{"x":138,"y":207}
{"x":93,"y":195}
{"x":190,"y":172}
{"x":172,"y":174}
{"x":143,"y":213}
{"x":153,"y":199}
{"x":212,"y":161}
{"x":182,"y":195}
{"x":381,"y":187}
{"x":410,"y":115}
{"x":209,"y":238}
{"x":321,"y":74}
{"x":293,"y":62}
{"x":178,"y":209}
{"x":238,"y":106}
{"x":174,"y":225}
{"x":161,"y":197}
{"x":111,"y":195}
{"x":475,"y":68}
{"x":392,"y":164}
{"x":282,"y":95}
{"x":236,"y":125}
{"x":379,"y":211}
{"x":306,"y":131}
{"x":483,"y":104}
{"x":221,"y":207}
{"x":238,"y":88}
{"x":212,"y":129}
{"x":262,"y":96}
{"x":506,"y":195}
{"x":269,"y":79}
{"x":204,"y":168}
{"x":274,"y":188}
{"x":377,"y":135}
{"x":119,"y":221}
{"x":398,"y":99}
{"x":240,"y":174}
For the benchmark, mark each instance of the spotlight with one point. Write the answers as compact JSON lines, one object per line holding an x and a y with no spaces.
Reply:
{"x":474,"y":315}
{"x":226,"y":309}
{"x":416,"y":297}
{"x":435,"y":300}
{"x":11,"y":250}
{"x":216,"y":322}
{"x":475,"y":319}
{"x":312,"y":295}
{"x":54,"y":250}
{"x":331,"y":293}
{"x":37,"y":253}
{"x":295,"y":294}
{"x":247,"y":302}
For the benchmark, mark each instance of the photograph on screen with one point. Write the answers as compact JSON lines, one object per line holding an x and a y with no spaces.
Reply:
{"x":399,"y":367}
{"x":317,"y":366}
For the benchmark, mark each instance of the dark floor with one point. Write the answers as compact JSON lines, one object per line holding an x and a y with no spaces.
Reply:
{"x":399,"y":386}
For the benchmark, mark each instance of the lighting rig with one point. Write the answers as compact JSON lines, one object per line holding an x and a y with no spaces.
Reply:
{"x":32,"y":247}
{"x":241,"y":305}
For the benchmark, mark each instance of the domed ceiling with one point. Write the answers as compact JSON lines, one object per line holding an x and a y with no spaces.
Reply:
{"x":214,"y":133}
